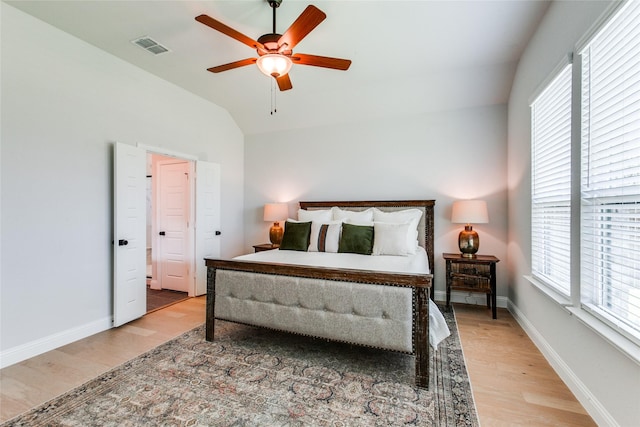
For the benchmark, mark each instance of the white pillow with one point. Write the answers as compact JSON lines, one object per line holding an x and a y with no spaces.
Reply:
{"x":325,"y":237}
{"x":305,"y":215}
{"x":365,"y":216}
{"x":391,"y":239}
{"x":412,"y":216}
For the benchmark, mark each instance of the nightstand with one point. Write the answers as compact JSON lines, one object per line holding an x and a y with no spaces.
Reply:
{"x":477,"y":274}
{"x":264,"y":247}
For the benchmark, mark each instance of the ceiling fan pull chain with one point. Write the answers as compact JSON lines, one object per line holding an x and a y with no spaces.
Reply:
{"x":274,"y":107}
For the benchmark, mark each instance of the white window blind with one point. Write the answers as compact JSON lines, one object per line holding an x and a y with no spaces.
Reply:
{"x":610,"y":173}
{"x":551,"y":183}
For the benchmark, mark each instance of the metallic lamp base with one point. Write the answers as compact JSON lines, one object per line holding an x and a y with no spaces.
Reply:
{"x":275,"y":234}
{"x":468,"y":242}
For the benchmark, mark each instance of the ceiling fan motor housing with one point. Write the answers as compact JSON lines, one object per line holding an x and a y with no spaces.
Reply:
{"x":270,"y":42}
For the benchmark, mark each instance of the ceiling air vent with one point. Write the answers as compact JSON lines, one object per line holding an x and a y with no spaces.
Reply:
{"x":150,"y":45}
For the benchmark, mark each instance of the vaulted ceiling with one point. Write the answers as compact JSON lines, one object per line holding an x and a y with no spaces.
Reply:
{"x":409,"y":57}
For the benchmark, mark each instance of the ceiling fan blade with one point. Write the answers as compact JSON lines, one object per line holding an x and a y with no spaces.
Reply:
{"x":306,"y":22}
{"x":224,"y":29}
{"x":321,"y":61}
{"x":284,"y":82}
{"x":232,"y":65}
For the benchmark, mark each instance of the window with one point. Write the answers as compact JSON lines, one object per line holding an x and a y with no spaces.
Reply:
{"x":610,"y":173}
{"x":606,"y":174}
{"x":551,"y":183}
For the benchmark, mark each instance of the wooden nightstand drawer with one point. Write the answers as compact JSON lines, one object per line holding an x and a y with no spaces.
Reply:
{"x":462,"y":268}
{"x":471,"y":282}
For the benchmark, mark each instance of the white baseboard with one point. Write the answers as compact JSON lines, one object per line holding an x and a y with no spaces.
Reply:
{"x":470,"y":298}
{"x":25,"y":351}
{"x":597,"y":411}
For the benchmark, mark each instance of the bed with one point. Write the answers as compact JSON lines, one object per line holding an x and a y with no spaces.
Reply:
{"x":366,"y":300}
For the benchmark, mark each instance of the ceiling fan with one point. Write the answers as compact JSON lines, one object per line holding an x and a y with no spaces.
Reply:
{"x":275,"y":51}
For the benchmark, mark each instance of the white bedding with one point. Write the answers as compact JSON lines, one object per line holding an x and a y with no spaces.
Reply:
{"x":415,"y":264}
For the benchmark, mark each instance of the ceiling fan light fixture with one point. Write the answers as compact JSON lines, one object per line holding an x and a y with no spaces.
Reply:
{"x":274,"y":64}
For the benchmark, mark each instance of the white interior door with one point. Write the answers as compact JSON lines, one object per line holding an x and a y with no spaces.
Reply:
{"x":207,"y":219}
{"x":174,"y":215}
{"x":129,"y":233}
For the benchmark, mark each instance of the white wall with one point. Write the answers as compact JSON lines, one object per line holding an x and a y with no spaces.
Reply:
{"x":443,"y":156}
{"x":606,"y":381}
{"x":64,"y":104}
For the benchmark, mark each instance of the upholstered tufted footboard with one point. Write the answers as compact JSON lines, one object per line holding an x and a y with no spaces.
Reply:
{"x":373,"y":315}
{"x":376,"y":309}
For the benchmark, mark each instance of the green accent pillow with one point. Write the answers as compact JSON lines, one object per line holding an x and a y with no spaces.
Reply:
{"x":356,"y":239}
{"x":296,"y":236}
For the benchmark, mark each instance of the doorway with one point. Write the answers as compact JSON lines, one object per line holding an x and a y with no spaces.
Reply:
{"x":201,"y":238}
{"x":169,"y":230}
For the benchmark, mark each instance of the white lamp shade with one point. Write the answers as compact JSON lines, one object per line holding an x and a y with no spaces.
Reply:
{"x":274,"y":64}
{"x":274,"y":212}
{"x":470,"y":212}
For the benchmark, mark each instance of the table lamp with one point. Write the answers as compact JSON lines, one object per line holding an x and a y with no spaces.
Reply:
{"x":275,"y":212}
{"x":468,"y":212}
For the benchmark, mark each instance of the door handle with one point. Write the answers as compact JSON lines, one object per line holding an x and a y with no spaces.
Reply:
{"x":218,"y":232}
{"x":123,"y":242}
{"x":162,"y":233}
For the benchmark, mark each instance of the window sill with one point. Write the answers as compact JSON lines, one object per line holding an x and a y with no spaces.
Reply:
{"x":563,"y":300}
{"x":621,"y":343}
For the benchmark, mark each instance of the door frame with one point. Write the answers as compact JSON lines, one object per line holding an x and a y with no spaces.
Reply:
{"x":154,"y":215}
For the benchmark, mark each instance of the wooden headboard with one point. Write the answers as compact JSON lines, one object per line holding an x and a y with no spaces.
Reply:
{"x":426,"y":221}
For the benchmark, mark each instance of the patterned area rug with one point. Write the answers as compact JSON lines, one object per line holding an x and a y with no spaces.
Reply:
{"x":255,"y":377}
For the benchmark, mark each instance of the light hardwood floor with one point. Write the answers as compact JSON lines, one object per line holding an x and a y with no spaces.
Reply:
{"x":512,"y":383}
